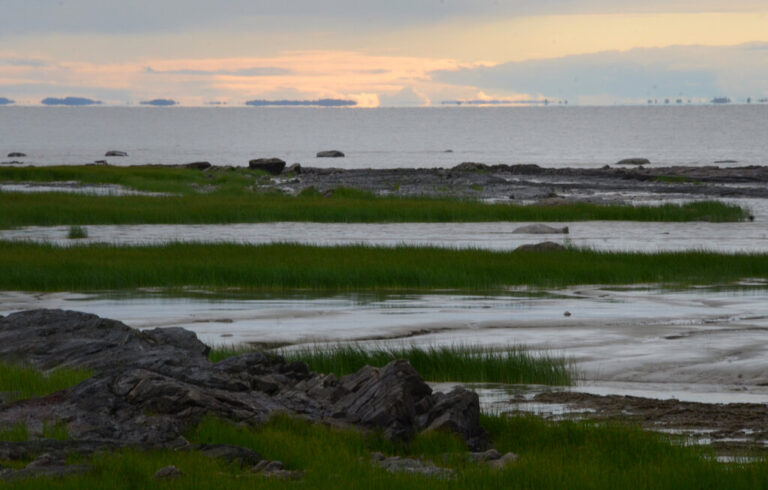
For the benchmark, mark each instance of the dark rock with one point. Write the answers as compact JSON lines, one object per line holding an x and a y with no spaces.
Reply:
{"x":504,"y":461}
{"x":330,"y":154}
{"x":396,"y":464}
{"x":168,"y":473}
{"x":471,"y":167}
{"x":273,"y":166}
{"x":231,"y":454}
{"x":716,"y":161}
{"x":540,"y":247}
{"x":198,"y":165}
{"x":152,"y":386}
{"x":458,"y":412}
{"x":540,"y":229}
{"x":295,"y":168}
{"x":101,"y":162}
{"x":16,"y":154}
{"x":115,"y":153}
{"x":634,"y":161}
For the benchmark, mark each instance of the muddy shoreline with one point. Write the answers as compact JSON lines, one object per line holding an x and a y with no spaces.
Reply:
{"x":532,"y":182}
{"x":731,"y":429}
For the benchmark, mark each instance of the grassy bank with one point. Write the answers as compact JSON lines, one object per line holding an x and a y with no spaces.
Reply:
{"x":19,"y":382}
{"x":344,"y":206}
{"x":571,"y":455}
{"x":456,"y":363}
{"x":148,"y":178}
{"x":280,"y":267}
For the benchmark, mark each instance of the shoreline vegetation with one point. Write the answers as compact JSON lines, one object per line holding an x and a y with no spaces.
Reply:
{"x":249,"y":196}
{"x":284,"y":266}
{"x":550,"y":455}
{"x":458,"y":363}
{"x":344,"y":206}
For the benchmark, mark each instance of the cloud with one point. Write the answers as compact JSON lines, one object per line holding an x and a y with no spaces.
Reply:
{"x":143,"y":16}
{"x":259,"y":71}
{"x":687,"y":71}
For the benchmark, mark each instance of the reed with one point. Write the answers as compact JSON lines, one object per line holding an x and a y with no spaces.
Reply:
{"x":344,"y":206}
{"x":464,"y":363}
{"x":284,"y":267}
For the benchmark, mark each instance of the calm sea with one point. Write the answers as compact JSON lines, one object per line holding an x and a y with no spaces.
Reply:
{"x":385,"y":138}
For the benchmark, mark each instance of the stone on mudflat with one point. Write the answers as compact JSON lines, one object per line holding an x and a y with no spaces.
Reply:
{"x":294,"y":169}
{"x":330,"y":154}
{"x":540,"y":229}
{"x":16,"y":154}
{"x":273,"y":166}
{"x":458,"y":412}
{"x":634,"y":161}
{"x":115,"y":153}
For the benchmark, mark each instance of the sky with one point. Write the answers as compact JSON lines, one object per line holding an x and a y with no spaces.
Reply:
{"x":384,"y":53}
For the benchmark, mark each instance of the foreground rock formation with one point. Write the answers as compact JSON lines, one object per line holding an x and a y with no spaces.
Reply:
{"x":151,"y":386}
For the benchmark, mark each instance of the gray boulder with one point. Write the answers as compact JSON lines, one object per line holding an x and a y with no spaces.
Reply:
{"x":16,"y":154}
{"x":330,"y":154}
{"x":540,"y":229}
{"x":634,"y":161}
{"x":273,"y":166}
{"x":115,"y":153}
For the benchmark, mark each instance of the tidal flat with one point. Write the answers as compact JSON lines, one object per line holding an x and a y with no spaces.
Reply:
{"x":643,"y":332}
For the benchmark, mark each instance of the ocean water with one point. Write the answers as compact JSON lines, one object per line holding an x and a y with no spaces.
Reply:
{"x":390,"y":137}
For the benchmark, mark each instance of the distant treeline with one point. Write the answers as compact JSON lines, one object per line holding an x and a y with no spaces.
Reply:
{"x":4,"y":101}
{"x":319,"y":103}
{"x":72,"y":101}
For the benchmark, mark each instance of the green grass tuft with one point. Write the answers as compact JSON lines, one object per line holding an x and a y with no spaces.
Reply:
{"x":77,"y":232}
{"x":552,"y":455}
{"x":474,"y":364}
{"x":21,"y":382}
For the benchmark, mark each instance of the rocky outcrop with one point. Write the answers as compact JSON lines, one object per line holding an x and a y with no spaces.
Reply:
{"x":151,"y":386}
{"x":471,"y":167}
{"x":330,"y":154}
{"x":273,"y":166}
{"x":540,"y":229}
{"x":115,"y":153}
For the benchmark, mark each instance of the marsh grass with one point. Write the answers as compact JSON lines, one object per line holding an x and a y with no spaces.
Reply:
{"x":447,"y":363}
{"x":464,"y":363}
{"x":77,"y":232}
{"x":20,"y":381}
{"x":148,"y":178}
{"x":342,"y":206}
{"x":282,"y":267}
{"x":553,"y":455}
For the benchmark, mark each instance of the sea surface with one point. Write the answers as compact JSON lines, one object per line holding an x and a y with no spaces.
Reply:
{"x":389,"y":137}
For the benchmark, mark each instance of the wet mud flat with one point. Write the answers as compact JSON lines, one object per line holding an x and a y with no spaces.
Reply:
{"x":532,"y":182}
{"x":732,"y":429}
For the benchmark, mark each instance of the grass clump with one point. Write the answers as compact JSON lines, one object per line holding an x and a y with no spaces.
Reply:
{"x":22,"y":382}
{"x":340,"y":206}
{"x":552,"y":455}
{"x":471,"y":364}
{"x":282,"y":267}
{"x":475,"y":364}
{"x":77,"y":232}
